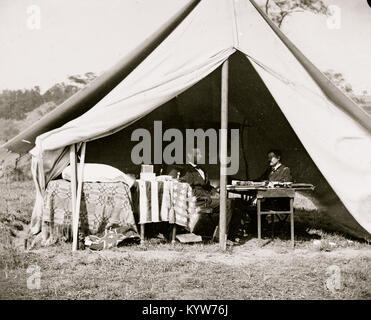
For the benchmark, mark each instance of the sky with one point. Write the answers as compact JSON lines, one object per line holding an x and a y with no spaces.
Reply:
{"x":346,"y":50}
{"x":78,"y":36}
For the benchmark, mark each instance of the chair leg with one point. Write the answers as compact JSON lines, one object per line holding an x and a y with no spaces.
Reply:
{"x":215,"y":234}
{"x":292,"y":223}
{"x":259,"y":220}
{"x":142,"y":230}
{"x":173,"y":233}
{"x":272,"y":217}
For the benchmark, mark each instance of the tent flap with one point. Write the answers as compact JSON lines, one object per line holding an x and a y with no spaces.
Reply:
{"x":340,"y":147}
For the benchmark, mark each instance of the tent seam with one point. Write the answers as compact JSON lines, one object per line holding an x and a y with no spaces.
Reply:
{"x":235,"y":26}
{"x":283,"y":79}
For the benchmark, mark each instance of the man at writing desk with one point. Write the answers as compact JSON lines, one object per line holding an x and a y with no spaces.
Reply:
{"x":276,"y":170}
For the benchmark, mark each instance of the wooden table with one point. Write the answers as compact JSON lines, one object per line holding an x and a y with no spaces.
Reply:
{"x":266,"y":193}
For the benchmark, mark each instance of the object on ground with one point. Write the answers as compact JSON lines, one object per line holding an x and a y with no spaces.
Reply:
{"x":188,"y":238}
{"x":111,"y":238}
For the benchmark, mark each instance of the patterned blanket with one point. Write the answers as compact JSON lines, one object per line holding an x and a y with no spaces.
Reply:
{"x":102,"y":205}
{"x":170,"y":201}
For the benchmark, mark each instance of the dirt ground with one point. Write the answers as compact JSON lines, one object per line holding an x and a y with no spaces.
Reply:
{"x":199,"y":271}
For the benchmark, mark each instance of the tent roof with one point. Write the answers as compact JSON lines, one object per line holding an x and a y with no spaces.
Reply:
{"x":335,"y":132}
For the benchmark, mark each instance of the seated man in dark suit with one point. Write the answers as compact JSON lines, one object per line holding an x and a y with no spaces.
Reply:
{"x":276,"y":170}
{"x":197,"y":177}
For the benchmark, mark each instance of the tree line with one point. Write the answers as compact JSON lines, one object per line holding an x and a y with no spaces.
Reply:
{"x":20,"y":108}
{"x":16,"y":104}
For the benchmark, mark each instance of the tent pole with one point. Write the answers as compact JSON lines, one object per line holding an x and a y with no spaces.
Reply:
{"x":73,"y":185}
{"x":223,"y":157}
{"x":78,"y":199}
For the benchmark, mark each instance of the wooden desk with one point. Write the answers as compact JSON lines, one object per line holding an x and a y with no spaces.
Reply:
{"x":276,"y":193}
{"x":266,"y":193}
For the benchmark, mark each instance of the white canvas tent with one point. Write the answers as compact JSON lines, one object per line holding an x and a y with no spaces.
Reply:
{"x":334,"y":131}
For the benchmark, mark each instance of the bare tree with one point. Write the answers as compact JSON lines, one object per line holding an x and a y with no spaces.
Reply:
{"x":338,"y":79}
{"x":278,"y":10}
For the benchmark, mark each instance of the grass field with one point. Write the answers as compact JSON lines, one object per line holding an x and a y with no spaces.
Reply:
{"x":158,"y":270}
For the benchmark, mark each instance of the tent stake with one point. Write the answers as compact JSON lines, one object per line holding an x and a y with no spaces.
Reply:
{"x":73,"y":185}
{"x":223,"y":158}
{"x":78,"y":199}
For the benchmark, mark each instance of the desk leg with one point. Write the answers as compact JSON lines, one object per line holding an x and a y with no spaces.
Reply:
{"x":292,"y":222}
{"x":173,"y":233}
{"x":259,"y":219}
{"x":142,"y":229}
